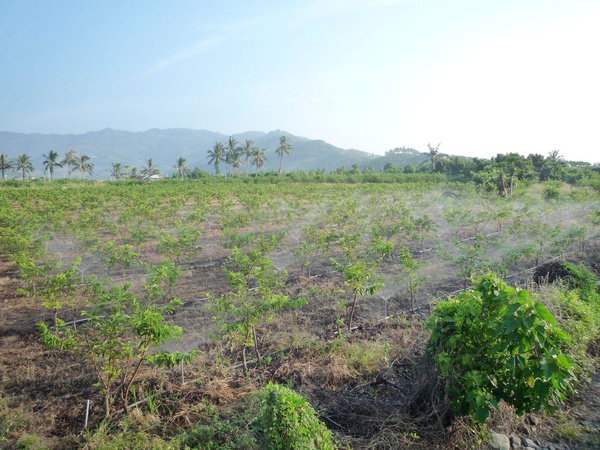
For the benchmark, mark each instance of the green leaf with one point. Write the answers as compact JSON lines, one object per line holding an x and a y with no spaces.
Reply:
{"x":544,"y":313}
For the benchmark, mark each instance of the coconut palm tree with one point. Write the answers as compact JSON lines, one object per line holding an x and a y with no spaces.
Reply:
{"x":433,"y":154}
{"x":23,"y":163}
{"x":5,"y":164}
{"x":247,"y":151}
{"x":116,"y":171}
{"x":181,"y":167}
{"x":236,"y":161}
{"x":216,"y":155}
{"x":83,"y":166}
{"x":555,"y":155}
{"x":232,"y":155}
{"x":258,"y":158}
{"x":150,"y":169}
{"x":51,"y":162}
{"x":69,"y":160}
{"x":553,"y":166}
{"x":285,"y":148}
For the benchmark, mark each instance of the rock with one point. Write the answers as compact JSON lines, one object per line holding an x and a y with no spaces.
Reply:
{"x":528,"y":443}
{"x":515,"y":441}
{"x":533,"y":420}
{"x":500,"y":442}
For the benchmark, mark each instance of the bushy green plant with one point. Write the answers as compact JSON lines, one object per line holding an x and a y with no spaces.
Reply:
{"x":495,"y":343}
{"x":287,"y":421}
{"x":552,"y":190}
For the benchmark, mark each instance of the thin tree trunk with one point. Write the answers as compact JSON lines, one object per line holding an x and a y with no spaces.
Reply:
{"x":244,"y":360}
{"x":258,"y":357}
{"x":352,"y":311}
{"x":413,"y":300}
{"x":244,"y":352}
{"x":106,"y":405}
{"x":130,"y":382}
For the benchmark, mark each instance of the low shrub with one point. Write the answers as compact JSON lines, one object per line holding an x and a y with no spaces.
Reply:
{"x":495,"y":343}
{"x":287,"y":421}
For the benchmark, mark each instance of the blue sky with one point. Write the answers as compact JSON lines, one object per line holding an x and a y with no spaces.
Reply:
{"x":481,"y":77}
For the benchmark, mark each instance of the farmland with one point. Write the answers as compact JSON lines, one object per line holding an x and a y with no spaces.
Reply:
{"x":323,"y":286}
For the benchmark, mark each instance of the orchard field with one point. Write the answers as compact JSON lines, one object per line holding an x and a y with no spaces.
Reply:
{"x":324,"y":288}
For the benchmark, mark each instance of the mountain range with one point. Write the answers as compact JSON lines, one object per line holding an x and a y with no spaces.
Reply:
{"x":165,"y":146}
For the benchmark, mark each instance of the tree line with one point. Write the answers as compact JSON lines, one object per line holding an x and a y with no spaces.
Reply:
{"x":71,"y":161}
{"x":234,"y":155}
{"x":500,"y":173}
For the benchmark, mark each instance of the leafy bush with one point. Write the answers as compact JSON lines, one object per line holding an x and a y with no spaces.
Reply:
{"x":287,"y":421}
{"x":496,"y":343}
{"x":552,"y":190}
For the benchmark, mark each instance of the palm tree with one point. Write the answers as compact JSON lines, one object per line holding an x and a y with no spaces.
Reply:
{"x":83,"y":166}
{"x":150,"y":169}
{"x":23,"y":163}
{"x":5,"y":164}
{"x":232,"y":155}
{"x":51,"y":162}
{"x":181,"y":167}
{"x":134,"y":172}
{"x":258,"y":158}
{"x":216,"y":155}
{"x":433,"y":154}
{"x":236,"y":161}
{"x":285,"y":148}
{"x":247,"y":151}
{"x":555,"y":156}
{"x":116,"y":171}
{"x":69,"y":160}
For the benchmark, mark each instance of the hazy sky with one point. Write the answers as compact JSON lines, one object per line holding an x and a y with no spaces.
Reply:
{"x":481,"y":77}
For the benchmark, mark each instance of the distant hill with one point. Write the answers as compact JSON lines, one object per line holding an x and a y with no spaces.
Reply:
{"x":165,"y":146}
